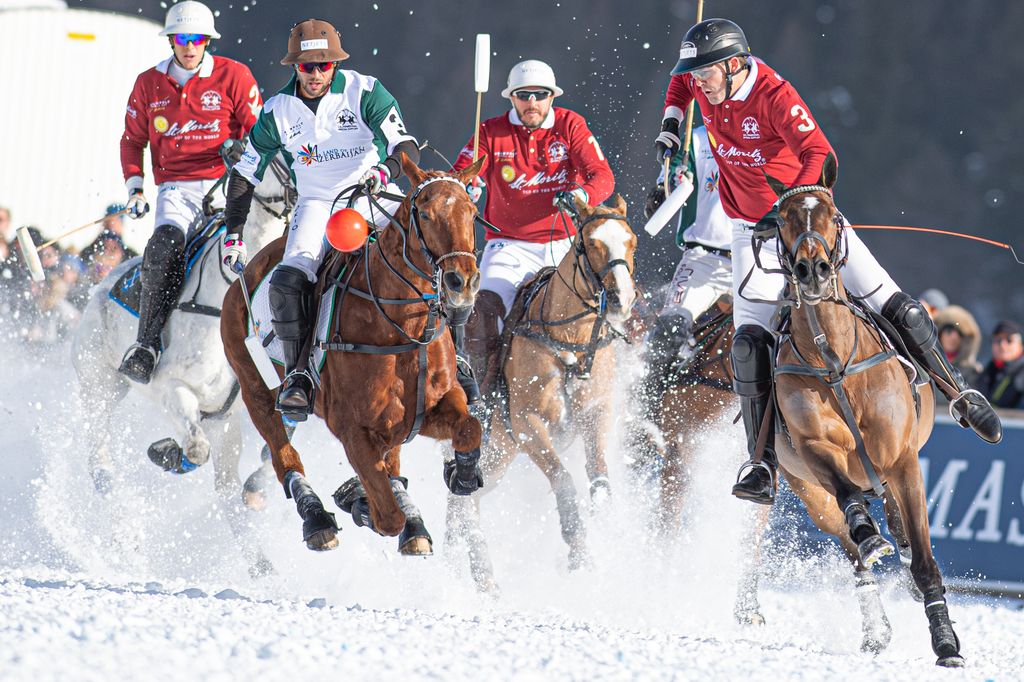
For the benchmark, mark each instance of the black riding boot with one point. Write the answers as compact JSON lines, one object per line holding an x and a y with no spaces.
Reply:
{"x":463,"y":370}
{"x":752,"y":381}
{"x":918,"y":331}
{"x":290,"y":294}
{"x":163,"y":273}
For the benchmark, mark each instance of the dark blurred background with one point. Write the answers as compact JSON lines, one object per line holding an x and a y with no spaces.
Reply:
{"x":918,"y":98}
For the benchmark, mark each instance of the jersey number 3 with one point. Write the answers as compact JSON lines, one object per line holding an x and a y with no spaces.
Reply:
{"x":807,"y":125}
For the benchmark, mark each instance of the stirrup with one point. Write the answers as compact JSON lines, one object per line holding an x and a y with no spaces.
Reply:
{"x":955,"y":414}
{"x":293,"y":412}
{"x":751,"y":465}
{"x":127,"y":367}
{"x":152,"y":351}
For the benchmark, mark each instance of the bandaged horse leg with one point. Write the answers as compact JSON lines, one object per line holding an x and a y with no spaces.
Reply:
{"x":898,"y":530}
{"x":574,"y":532}
{"x":877,"y":632}
{"x":752,"y":381}
{"x":254,"y":490}
{"x":918,"y":331}
{"x":457,"y":318}
{"x":747,"y":609}
{"x":319,"y":529}
{"x":483,"y":338}
{"x":592,"y":405}
{"x":289,"y":295}
{"x":163,"y":273}
{"x":414,"y":539}
{"x":871,"y":546}
{"x":181,"y":403}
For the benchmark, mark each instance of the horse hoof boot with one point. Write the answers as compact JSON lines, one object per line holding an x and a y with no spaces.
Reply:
{"x":462,"y":474}
{"x":169,"y":456}
{"x":138,"y":363}
{"x":351,"y":499}
{"x":972,"y":407}
{"x":758,"y":485}
{"x":872,"y":549}
{"x":320,"y":531}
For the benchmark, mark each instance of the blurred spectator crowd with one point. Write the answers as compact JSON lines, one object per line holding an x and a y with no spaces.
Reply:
{"x":42,"y":313}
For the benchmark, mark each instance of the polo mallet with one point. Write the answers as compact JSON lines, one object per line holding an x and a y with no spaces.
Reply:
{"x":659,"y":219}
{"x":481,"y":74}
{"x":264,"y":365}
{"x":30,"y":252}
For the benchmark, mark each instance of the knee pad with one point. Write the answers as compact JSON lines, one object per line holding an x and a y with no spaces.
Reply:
{"x":289,"y":296}
{"x":751,"y":361}
{"x":911,"y":320}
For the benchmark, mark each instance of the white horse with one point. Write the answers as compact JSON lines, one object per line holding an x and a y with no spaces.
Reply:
{"x":192,"y":383}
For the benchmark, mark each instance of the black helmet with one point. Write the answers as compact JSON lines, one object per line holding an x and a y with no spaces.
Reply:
{"x":710,"y":41}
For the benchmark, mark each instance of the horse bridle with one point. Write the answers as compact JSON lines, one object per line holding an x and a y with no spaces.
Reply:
{"x":594,"y":279}
{"x":836,"y":255}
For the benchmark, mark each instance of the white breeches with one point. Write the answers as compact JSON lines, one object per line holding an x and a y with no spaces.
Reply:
{"x":507,"y":262}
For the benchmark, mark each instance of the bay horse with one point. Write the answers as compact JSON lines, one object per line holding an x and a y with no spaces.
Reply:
{"x":557,"y":369}
{"x":854,"y":421}
{"x":389,"y":370}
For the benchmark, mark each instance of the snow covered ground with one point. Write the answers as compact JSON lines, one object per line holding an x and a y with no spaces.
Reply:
{"x":151,"y":584}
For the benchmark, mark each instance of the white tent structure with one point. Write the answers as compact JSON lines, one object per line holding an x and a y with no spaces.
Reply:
{"x":66,"y":75}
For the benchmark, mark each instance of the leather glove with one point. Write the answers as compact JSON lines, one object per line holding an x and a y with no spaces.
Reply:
{"x":768,"y":226}
{"x":667,"y":143}
{"x":566,"y":201}
{"x":376,"y":178}
{"x":655,"y":198}
{"x":231,"y":152}
{"x":462,"y":475}
{"x":234,"y":251}
{"x":137,"y":205}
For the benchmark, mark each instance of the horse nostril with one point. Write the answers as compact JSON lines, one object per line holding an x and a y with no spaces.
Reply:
{"x":454,"y":281}
{"x":824,"y":269}
{"x":474,"y":282}
{"x":802,"y":271}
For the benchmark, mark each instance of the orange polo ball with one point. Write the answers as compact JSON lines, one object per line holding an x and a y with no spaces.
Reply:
{"x":347,"y":230}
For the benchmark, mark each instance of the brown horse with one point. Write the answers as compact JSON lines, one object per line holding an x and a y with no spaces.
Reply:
{"x":558,"y":371}
{"x":389,"y":370}
{"x":852,"y":416}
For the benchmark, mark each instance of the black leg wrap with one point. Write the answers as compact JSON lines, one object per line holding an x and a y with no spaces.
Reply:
{"x":462,"y":474}
{"x":318,"y":525}
{"x":351,"y":499}
{"x":945,"y":642}
{"x":414,"y":526}
{"x":918,"y":331}
{"x":752,"y":381}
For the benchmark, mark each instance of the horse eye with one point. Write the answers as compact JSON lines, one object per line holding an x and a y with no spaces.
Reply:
{"x":424,"y":215}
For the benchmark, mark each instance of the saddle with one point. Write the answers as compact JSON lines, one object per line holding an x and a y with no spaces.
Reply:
{"x":525,"y":296}
{"x":127,"y":290}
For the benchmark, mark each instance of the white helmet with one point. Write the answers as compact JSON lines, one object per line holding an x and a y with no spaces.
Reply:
{"x":189,"y":17}
{"x":531,"y":73}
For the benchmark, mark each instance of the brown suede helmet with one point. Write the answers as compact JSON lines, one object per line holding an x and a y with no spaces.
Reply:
{"x":314,"y":40}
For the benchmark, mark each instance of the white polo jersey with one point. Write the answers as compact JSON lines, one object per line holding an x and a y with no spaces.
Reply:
{"x":356,"y":125}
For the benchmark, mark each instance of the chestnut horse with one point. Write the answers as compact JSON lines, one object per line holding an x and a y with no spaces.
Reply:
{"x":854,"y":422}
{"x":389,"y":369}
{"x":558,"y":371}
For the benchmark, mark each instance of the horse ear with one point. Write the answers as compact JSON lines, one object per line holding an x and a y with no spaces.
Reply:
{"x":411,"y":170}
{"x":830,"y":171}
{"x":777,"y":185}
{"x":471,"y":171}
{"x":619,"y":204}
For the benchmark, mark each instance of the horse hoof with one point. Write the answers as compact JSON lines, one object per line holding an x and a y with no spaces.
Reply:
{"x":874,"y":548}
{"x":262,"y":568}
{"x":954,"y":661}
{"x":254,"y":501}
{"x":322,"y":540}
{"x":417,"y":547}
{"x":876,"y":643}
{"x":749,"y":617}
{"x":103,"y":481}
{"x":168,"y":455}
{"x":579,"y":558}
{"x":600,"y":494}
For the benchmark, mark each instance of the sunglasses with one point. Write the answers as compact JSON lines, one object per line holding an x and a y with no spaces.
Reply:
{"x":705,"y":73}
{"x":1003,"y":340}
{"x":527,"y":95}
{"x":197,"y":39}
{"x":310,"y":67}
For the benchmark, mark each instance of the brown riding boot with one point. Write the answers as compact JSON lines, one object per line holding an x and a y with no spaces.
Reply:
{"x":483,"y":339}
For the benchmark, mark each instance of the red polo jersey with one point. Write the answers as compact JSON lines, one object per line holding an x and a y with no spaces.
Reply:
{"x":185,"y":126}
{"x":524,"y":169}
{"x":763,"y":128}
